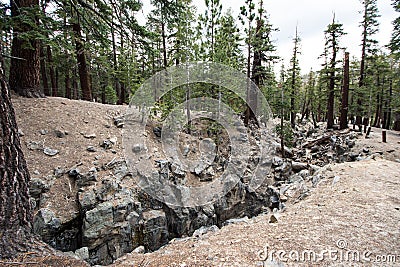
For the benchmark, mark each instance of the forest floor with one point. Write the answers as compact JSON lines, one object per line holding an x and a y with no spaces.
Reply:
{"x":354,"y":211}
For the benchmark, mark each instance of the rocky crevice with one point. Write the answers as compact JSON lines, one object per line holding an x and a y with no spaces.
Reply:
{"x":116,"y":217}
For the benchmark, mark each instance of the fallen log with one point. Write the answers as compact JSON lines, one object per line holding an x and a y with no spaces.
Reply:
{"x":323,"y":139}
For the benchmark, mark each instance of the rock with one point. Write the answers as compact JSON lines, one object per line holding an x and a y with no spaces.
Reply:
{"x":304,"y":173}
{"x":273,"y":218}
{"x":139,"y":250}
{"x":106,"y":144}
{"x":113,"y":140}
{"x":59,"y":133}
{"x":155,"y":229}
{"x":177,"y":170}
{"x":350,"y":143}
{"x":186,"y":151}
{"x":353,"y":156}
{"x":316,"y":179}
{"x":204,"y":230}
{"x":91,"y":149}
{"x":33,"y":145}
{"x":74,"y":173}
{"x":46,"y":224}
{"x":237,"y":220}
{"x":157,"y":131}
{"x":43,"y":132}
{"x":20,"y":132}
{"x":207,"y":175}
{"x":50,"y":152}
{"x":87,"y":179}
{"x":200,"y":168}
{"x":365,"y":150}
{"x":284,"y":170}
{"x":119,"y":121}
{"x":277,"y":161}
{"x":82,"y":253}
{"x":137,"y":148}
{"x":71,"y":254}
{"x":295,"y":178}
{"x":37,"y":187}
{"x":58,"y":172}
{"x":90,"y":136}
{"x":315,"y":149}
{"x":296,"y":191}
{"x":97,"y":223}
{"x":298,"y":166}
{"x":335,"y":180}
{"x":87,"y":199}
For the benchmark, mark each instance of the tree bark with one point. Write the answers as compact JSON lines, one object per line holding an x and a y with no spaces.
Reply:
{"x":82,"y":64}
{"x":293,"y":84}
{"x":15,"y":210}
{"x":43,"y":70}
{"x":68,"y":85}
{"x":388,"y":112}
{"x":52,"y":73}
{"x":396,"y":126}
{"x":25,"y":65}
{"x":345,"y":93}
{"x":251,"y":109}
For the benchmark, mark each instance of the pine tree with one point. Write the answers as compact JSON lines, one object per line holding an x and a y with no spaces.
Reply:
{"x":15,"y":208}
{"x":394,"y":44}
{"x":332,"y":35}
{"x":294,"y":80}
{"x":208,"y":24}
{"x":263,"y":50}
{"x":25,"y":63}
{"x":369,"y":26}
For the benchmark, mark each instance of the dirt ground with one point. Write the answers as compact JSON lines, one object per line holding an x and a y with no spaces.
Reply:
{"x":357,"y":214}
{"x":351,"y":220}
{"x":38,"y":119}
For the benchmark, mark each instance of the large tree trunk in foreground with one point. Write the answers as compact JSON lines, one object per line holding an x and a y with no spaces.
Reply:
{"x":25,"y":64}
{"x":15,"y":210}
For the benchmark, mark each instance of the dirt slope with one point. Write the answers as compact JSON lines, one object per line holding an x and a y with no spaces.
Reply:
{"x":352,"y":215}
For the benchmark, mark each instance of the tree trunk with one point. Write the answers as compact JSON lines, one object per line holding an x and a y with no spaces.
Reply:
{"x":122,"y":94}
{"x":75,"y":86}
{"x":359,"y":108}
{"x":45,"y":80}
{"x":15,"y":210}
{"x":252,"y":97}
{"x":396,"y":126}
{"x":293,"y":93}
{"x":331,"y":101}
{"x":51,"y":71}
{"x":67,"y":85}
{"x":25,"y":64}
{"x":388,"y":105}
{"x":345,"y":93}
{"x":82,"y":65}
{"x":164,"y":43}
